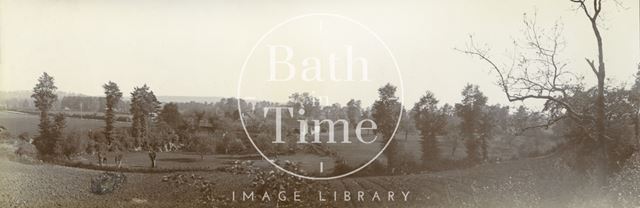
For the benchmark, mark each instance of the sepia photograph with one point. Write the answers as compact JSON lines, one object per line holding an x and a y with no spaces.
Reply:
{"x":300,"y":103}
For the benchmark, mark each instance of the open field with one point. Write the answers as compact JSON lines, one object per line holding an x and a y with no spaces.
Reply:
{"x":18,"y":123}
{"x":500,"y":147}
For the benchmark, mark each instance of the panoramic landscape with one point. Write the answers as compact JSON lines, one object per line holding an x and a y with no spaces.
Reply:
{"x":317,"y":109}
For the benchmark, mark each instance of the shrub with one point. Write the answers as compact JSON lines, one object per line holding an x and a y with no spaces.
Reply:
{"x":123,"y":119}
{"x":206,"y":188}
{"x":71,"y":145}
{"x":229,"y":144}
{"x":407,"y":165}
{"x":341,"y":167}
{"x":376,"y":168}
{"x":17,"y":149}
{"x":625,"y":185}
{"x":201,"y":145}
{"x":107,"y":182}
{"x":240,"y":167}
{"x":236,"y":146}
{"x":275,"y":181}
{"x":25,"y":137}
{"x":25,"y":149}
{"x":263,"y":141}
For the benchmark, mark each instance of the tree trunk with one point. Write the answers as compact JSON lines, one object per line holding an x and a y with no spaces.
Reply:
{"x":100,"y":158}
{"x":455,"y":146}
{"x":600,"y":107}
{"x":636,"y":121}
{"x":152,"y":157}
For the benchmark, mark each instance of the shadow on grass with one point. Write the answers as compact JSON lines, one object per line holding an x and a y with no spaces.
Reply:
{"x":134,"y":169}
{"x":180,"y":160}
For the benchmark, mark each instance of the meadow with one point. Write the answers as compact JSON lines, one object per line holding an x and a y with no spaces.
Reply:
{"x":18,"y":122}
{"x":502,"y":147}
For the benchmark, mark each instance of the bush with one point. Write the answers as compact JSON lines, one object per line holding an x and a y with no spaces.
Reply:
{"x":123,"y":119}
{"x":625,"y":185}
{"x":201,"y":144}
{"x":376,"y":168}
{"x":275,"y":181}
{"x":263,"y":142}
{"x":341,"y":167}
{"x":107,"y":182}
{"x":406,"y":165}
{"x":25,"y":149}
{"x":25,"y":137}
{"x":16,"y":149}
{"x":240,"y":167}
{"x":206,"y":188}
{"x":236,"y":146}
{"x":229,"y":144}
{"x":71,"y":145}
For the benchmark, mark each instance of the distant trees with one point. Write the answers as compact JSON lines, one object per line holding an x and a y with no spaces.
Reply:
{"x":44,"y":96}
{"x":385,"y":113}
{"x":87,"y":104}
{"x":407,"y":124}
{"x":198,"y":117}
{"x":113,"y":96}
{"x":431,"y":122}
{"x":520,"y":119}
{"x":470,"y":112}
{"x":306,"y":101}
{"x":170,"y":115}
{"x":143,"y":104}
{"x":354,"y":111}
{"x":202,"y":145}
{"x":334,"y":112}
{"x":216,"y":122}
{"x":489,"y":123}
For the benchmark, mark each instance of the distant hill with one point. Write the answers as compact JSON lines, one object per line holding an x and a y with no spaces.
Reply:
{"x":186,"y":99}
{"x":26,"y":94}
{"x":22,"y":99}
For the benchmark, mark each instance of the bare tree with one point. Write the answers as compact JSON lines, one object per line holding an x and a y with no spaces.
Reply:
{"x":537,"y":72}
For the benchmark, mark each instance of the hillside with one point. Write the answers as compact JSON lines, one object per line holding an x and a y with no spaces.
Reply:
{"x":537,"y":182}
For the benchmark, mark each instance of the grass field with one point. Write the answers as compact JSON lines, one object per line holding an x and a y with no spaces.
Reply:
{"x":18,"y":123}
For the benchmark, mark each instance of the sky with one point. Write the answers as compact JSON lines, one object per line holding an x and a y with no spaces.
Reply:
{"x":198,"y":47}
